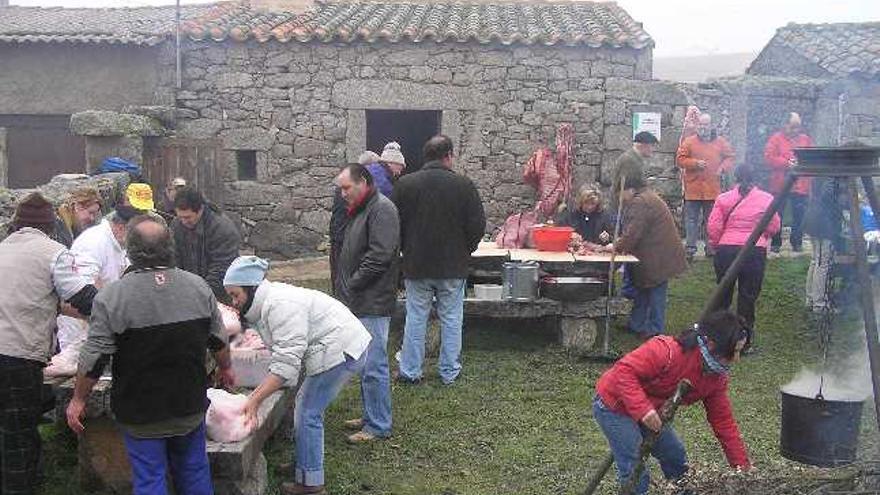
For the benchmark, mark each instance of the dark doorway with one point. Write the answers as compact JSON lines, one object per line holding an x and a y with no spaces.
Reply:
{"x":39,"y":147}
{"x":410,"y":128}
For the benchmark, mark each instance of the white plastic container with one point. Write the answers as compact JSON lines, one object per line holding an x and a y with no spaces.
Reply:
{"x":488,"y":292}
{"x":250,"y":366}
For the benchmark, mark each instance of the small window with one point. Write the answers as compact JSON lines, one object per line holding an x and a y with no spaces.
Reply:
{"x":247,"y":164}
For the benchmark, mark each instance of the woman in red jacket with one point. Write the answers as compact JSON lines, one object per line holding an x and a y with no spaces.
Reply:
{"x":630,"y":394}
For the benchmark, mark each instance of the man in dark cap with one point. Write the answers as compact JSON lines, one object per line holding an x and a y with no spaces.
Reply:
{"x":39,"y":274}
{"x":631,"y":164}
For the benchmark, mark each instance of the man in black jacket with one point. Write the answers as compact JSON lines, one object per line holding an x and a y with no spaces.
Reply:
{"x":367,"y":283}
{"x":206,"y":241}
{"x":441,"y":224}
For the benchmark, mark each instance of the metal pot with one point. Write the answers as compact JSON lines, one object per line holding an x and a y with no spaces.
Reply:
{"x":520,"y":281}
{"x":820,"y":432}
{"x":573,"y":289}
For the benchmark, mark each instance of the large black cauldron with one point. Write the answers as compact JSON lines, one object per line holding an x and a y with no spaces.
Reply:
{"x":820,"y":432}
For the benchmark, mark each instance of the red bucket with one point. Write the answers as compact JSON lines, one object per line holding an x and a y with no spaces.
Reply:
{"x":552,"y":238}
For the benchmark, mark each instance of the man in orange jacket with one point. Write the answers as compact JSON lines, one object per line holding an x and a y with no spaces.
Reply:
{"x":702,"y":158}
{"x":779,"y":157}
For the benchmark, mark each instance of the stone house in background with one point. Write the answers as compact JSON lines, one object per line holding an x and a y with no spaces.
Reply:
{"x":843,"y":60}
{"x":55,"y":62}
{"x":275,"y":95}
{"x":297,"y":89}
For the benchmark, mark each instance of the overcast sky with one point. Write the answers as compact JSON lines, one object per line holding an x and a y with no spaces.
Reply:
{"x":679,"y":27}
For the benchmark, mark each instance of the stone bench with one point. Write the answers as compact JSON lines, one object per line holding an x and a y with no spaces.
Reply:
{"x":237,"y":468}
{"x":575,"y":324}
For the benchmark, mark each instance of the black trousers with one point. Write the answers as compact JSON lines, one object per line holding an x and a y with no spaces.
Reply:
{"x":748,"y":282}
{"x":798,"y":203}
{"x":21,"y":384}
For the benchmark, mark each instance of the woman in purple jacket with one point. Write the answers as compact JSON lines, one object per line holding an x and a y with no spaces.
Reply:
{"x":735,"y":215}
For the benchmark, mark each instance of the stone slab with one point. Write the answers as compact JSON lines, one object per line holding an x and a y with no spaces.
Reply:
{"x":106,"y":123}
{"x":256,"y":483}
{"x":239,"y":467}
{"x":102,"y":457}
{"x":578,"y":334}
{"x":403,"y":95}
{"x":540,"y":308}
{"x":237,"y":460}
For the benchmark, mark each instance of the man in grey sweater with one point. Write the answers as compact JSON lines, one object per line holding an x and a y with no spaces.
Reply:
{"x":155,"y":323}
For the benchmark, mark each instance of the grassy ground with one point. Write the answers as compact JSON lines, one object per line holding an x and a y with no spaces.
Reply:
{"x":518,"y":421}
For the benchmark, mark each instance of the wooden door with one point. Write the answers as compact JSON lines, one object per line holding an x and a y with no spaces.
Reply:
{"x":199,"y":161}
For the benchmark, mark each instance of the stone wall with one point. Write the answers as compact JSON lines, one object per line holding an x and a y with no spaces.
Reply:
{"x":861,"y":110}
{"x":58,"y":190}
{"x":302,"y":108}
{"x":60,"y":79}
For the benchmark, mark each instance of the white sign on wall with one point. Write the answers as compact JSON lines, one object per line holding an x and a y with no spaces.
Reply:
{"x":647,"y":121}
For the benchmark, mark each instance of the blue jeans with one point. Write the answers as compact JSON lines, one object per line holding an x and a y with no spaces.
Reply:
{"x":696,"y":217}
{"x":450,"y":308}
{"x":625,"y":438}
{"x":186,"y":456}
{"x":375,"y":378}
{"x":315,"y":394}
{"x":648,"y":315}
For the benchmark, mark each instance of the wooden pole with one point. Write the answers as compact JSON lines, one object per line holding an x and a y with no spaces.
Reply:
{"x":177,"y":66}
{"x":606,"y":336}
{"x":734,"y":268}
{"x":866,"y":290}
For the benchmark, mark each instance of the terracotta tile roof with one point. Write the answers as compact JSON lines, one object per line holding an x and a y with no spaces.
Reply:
{"x":528,"y":22}
{"x":140,"y":26}
{"x":841,"y":49}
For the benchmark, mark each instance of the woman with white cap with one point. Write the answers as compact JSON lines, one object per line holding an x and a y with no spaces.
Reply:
{"x":302,"y":328}
{"x":391,"y":164}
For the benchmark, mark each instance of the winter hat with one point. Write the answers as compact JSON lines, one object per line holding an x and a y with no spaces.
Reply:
{"x":645,"y":137}
{"x":368,"y":157}
{"x":246,"y":271}
{"x":34,"y":209}
{"x":392,"y":154}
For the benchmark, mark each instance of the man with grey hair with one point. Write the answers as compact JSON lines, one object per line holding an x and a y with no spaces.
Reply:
{"x":779,"y":157}
{"x":155,"y":323}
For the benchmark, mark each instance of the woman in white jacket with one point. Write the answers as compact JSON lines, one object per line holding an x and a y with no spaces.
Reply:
{"x":305,"y":330}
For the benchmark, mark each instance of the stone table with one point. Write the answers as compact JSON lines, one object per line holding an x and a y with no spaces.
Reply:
{"x":237,"y":468}
{"x":575,"y":323}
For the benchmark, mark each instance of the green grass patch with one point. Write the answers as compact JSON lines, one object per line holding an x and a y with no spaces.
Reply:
{"x":518,"y":421}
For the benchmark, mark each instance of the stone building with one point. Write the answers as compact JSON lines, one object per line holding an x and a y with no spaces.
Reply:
{"x":843,"y":59}
{"x":296,"y":90}
{"x":276,"y":95}
{"x":55,"y":62}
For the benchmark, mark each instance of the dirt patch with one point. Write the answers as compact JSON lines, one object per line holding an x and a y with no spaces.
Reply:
{"x":299,"y":270}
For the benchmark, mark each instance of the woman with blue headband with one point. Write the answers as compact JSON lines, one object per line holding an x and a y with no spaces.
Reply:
{"x":631,"y":393}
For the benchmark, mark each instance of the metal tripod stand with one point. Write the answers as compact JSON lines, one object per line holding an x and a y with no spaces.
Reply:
{"x":855,"y":164}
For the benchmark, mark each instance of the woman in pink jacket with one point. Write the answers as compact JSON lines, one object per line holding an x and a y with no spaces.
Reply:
{"x":735,"y":215}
